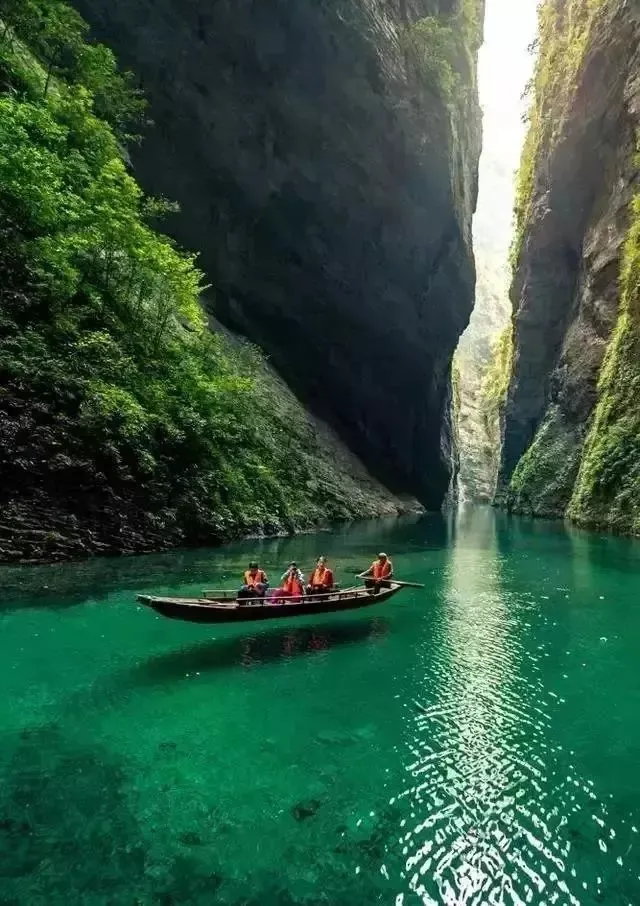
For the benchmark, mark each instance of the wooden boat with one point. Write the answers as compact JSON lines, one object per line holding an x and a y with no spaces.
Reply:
{"x":224,"y":607}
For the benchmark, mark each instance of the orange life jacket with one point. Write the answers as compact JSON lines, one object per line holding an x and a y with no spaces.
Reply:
{"x":382,"y":570}
{"x":257,"y":578}
{"x":292,"y":586}
{"x":322,"y":577}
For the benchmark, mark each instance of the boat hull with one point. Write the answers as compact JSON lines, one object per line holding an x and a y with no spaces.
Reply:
{"x":202,"y":610}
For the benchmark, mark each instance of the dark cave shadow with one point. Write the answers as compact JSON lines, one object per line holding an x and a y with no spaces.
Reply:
{"x":249,"y":651}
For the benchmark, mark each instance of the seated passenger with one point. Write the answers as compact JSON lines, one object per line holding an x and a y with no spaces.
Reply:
{"x":255,"y":582}
{"x":292,"y":582}
{"x":321,"y":579}
{"x":379,"y":574}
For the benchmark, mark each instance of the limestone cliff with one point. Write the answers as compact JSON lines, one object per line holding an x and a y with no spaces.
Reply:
{"x":578,"y":178}
{"x":324,"y":155}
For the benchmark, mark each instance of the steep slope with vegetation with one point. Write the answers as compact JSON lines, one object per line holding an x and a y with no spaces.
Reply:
{"x":324,"y":154}
{"x":569,"y":435}
{"x":607,"y":492}
{"x":125,"y":423}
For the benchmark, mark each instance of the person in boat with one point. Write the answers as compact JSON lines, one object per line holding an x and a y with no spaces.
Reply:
{"x":321,"y":579}
{"x":292,"y":583}
{"x":379,"y":573}
{"x":255,"y":582}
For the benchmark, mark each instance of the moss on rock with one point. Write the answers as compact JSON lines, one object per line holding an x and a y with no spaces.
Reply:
{"x":607,"y":492}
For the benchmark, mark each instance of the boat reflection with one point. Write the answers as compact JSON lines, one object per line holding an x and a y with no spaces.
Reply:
{"x":253,"y":650}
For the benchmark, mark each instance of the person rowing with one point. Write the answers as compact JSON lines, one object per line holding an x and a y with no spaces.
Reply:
{"x":379,"y":574}
{"x":321,"y":579}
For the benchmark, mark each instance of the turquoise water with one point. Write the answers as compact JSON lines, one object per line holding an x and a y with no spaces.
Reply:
{"x":477,"y":742}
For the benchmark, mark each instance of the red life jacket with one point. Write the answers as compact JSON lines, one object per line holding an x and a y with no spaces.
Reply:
{"x":382,"y":570}
{"x":257,"y":578}
{"x":322,"y":577}
{"x":292,"y":586}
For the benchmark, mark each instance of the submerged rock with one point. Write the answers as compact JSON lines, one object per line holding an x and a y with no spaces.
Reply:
{"x":13,"y":826}
{"x":191,"y":838}
{"x":335,"y":738}
{"x":305,"y":809}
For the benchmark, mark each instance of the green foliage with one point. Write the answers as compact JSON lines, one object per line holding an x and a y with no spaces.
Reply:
{"x":544,"y":478}
{"x":56,"y":36}
{"x":433,"y":45}
{"x":82,"y":214}
{"x":443,"y":48}
{"x":498,"y":374}
{"x":493,"y":395}
{"x":564,"y":31}
{"x":102,"y":337}
{"x":115,"y":95}
{"x":607,"y":491}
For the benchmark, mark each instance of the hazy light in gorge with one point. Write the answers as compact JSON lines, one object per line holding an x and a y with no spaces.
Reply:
{"x":505,"y":66}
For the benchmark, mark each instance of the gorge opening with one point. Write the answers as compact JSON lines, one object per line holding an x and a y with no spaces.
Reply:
{"x":505,"y":67}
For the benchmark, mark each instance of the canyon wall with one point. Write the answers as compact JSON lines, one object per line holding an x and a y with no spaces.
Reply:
{"x":324,"y":155}
{"x":570,"y":293}
{"x":477,"y":357}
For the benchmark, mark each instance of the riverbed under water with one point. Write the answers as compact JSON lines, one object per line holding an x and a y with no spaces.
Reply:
{"x":477,"y":742}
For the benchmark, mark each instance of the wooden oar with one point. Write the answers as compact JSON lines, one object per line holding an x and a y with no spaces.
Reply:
{"x":394,"y":581}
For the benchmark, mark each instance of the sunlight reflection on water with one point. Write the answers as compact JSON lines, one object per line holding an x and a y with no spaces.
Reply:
{"x":489,"y":806}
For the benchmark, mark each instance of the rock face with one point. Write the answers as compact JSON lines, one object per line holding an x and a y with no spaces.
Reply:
{"x":329,"y":189}
{"x":565,"y":292}
{"x":478,"y":429}
{"x":476,"y":479}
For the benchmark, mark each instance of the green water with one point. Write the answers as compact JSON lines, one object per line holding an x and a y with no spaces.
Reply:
{"x":477,"y":742}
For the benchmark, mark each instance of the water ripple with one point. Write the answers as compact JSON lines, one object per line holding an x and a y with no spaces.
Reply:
{"x":494,"y":813}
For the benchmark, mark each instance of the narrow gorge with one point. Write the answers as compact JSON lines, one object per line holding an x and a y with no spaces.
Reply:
{"x":239,"y":254}
{"x":324,"y":160}
{"x":508,"y":33}
{"x":284,"y":285}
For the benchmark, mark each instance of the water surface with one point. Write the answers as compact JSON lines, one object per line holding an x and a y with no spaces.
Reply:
{"x":477,"y":742}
